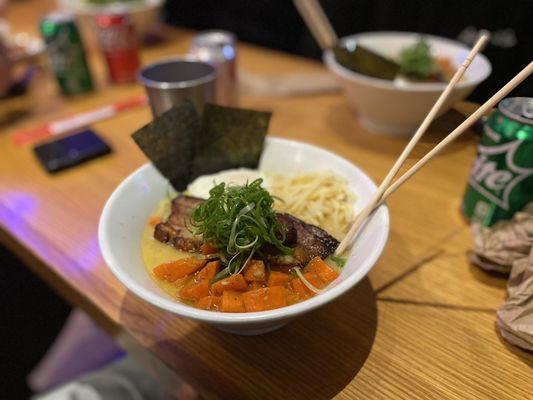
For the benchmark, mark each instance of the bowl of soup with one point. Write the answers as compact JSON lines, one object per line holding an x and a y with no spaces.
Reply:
{"x":147,"y":238}
{"x":398,"y":105}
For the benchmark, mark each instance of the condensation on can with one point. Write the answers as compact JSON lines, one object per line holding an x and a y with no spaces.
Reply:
{"x":501,"y":180}
{"x":217,"y":47}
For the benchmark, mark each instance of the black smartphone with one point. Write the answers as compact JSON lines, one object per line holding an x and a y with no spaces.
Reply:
{"x":71,"y":150}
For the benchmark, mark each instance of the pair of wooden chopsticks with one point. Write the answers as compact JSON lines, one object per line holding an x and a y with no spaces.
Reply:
{"x":386,"y":188}
{"x":319,"y":25}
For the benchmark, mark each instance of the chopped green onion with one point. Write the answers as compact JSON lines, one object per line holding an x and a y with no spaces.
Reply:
{"x":239,"y":221}
{"x":221,"y":275}
{"x":339,"y":261}
{"x":417,"y":62}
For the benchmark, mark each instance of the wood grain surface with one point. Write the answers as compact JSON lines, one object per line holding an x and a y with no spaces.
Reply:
{"x":421,"y":325}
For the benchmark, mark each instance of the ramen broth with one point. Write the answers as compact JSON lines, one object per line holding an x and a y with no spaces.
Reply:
{"x":155,"y":253}
{"x":256,"y":287}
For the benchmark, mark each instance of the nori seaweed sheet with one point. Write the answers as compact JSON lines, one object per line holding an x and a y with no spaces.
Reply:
{"x":230,"y":138}
{"x":366,"y":62}
{"x":168,"y":142}
{"x":184,"y":146}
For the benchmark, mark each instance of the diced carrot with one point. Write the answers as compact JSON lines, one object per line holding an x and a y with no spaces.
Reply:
{"x":278,"y":278}
{"x":231,"y":302}
{"x":234,"y":282}
{"x":209,"y":303}
{"x":210,"y":270}
{"x":171,"y":271}
{"x":205,"y":302}
{"x":302,"y":290}
{"x":292,"y":297}
{"x":254,"y":271}
{"x":195,"y":290}
{"x":322,"y":269}
{"x":265,"y":299}
{"x":207,"y":249}
{"x":314,"y":279}
{"x":217,"y":301}
{"x":446,"y":67}
{"x":255,"y":285}
{"x":154,"y":220}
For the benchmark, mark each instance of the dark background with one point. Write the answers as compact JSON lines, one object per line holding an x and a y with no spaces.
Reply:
{"x":277,"y":24}
{"x":32,"y":316}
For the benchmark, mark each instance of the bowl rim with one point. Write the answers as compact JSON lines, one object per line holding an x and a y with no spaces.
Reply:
{"x":331,"y":63}
{"x":221,"y":318}
{"x":84,"y":7}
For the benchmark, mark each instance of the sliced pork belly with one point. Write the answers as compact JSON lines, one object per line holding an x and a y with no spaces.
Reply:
{"x":307,"y":240}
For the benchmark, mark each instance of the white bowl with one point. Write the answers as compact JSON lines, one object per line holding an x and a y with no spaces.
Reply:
{"x":383,"y":106}
{"x":143,"y":13}
{"x":125,"y":214}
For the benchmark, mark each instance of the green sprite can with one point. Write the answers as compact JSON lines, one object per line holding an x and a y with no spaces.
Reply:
{"x":65,"y":50}
{"x":501,"y":180}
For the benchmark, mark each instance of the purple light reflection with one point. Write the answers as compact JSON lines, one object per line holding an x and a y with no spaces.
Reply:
{"x":87,"y":254}
{"x":17,"y":211}
{"x":17,"y":208}
{"x":19,"y":202}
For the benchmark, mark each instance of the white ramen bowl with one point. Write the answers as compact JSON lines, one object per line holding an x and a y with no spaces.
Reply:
{"x":126,"y":212}
{"x":384,"y":106}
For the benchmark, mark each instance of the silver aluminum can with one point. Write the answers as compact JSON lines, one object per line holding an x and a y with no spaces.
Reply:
{"x":217,"y":47}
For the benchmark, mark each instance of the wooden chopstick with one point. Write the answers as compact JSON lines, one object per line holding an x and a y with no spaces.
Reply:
{"x":487,"y":106}
{"x":467,"y":123}
{"x":317,"y":22}
{"x":377,"y":198}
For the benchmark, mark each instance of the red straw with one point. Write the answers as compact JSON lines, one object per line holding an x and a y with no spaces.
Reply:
{"x":76,"y":121}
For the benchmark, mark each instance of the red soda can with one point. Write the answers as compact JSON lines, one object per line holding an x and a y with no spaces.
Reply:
{"x":120,"y":47}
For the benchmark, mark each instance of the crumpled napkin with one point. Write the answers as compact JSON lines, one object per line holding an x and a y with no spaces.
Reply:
{"x":515,"y":316}
{"x":496,"y":248}
{"x":507,"y":246}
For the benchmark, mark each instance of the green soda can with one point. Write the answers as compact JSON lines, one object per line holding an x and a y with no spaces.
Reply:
{"x":501,"y":180}
{"x":65,"y":50}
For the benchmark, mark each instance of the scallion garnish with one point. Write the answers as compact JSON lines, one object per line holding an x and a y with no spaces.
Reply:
{"x":239,"y":221}
{"x":339,"y":261}
{"x":417,"y":62}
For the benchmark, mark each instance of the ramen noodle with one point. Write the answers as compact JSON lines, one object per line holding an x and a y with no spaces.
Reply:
{"x":319,"y":198}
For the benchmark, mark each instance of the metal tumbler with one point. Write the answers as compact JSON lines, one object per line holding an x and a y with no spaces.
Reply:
{"x":172,"y":81}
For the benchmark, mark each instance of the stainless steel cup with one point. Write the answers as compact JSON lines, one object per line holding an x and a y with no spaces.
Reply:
{"x":172,"y":81}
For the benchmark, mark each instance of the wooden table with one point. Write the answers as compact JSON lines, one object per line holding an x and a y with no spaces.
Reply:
{"x":421,"y":325}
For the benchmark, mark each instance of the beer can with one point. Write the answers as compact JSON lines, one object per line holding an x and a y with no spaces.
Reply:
{"x":118,"y":43}
{"x":66,"y":52}
{"x":217,"y":47}
{"x":501,"y":180}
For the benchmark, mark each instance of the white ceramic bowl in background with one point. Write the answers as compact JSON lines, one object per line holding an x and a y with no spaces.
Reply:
{"x":383,"y":106}
{"x":125,"y":214}
{"x":143,"y":13}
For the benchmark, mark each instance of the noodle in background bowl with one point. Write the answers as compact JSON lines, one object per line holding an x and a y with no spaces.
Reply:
{"x":126,"y":211}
